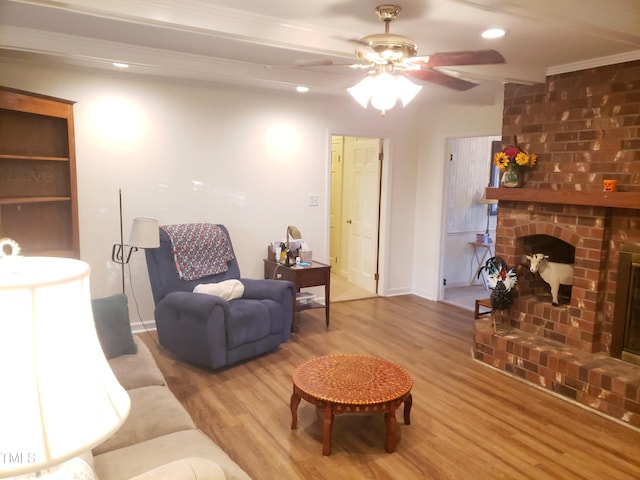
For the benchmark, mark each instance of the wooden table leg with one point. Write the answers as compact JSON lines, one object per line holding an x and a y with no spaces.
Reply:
{"x":326,"y":430}
{"x":407,"y":409}
{"x":390,"y":423}
{"x":295,"y":401}
{"x":327,"y":300}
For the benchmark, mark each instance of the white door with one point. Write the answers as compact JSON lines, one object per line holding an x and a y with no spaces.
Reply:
{"x":362,"y":166}
{"x":335,"y":214}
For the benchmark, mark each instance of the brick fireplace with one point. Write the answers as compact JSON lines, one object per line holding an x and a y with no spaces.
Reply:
{"x":585,"y":127}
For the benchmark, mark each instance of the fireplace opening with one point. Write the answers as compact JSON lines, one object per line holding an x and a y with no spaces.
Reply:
{"x":558,"y":251}
{"x":625,"y":341}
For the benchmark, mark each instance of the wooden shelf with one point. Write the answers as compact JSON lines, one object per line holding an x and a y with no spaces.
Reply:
{"x":19,"y":200}
{"x":594,"y":199}
{"x":4,"y":156}
{"x":38,"y":189}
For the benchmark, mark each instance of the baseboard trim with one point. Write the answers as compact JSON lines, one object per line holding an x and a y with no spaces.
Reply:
{"x":142,"y":327}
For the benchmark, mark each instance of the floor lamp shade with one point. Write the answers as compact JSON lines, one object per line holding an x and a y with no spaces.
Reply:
{"x":145,"y":233}
{"x":60,"y":398}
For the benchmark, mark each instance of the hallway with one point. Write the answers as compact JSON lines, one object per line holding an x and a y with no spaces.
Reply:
{"x":465,"y":297}
{"x":342,"y":290}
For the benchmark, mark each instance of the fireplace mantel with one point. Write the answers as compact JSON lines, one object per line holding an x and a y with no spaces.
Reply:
{"x":565,"y":197}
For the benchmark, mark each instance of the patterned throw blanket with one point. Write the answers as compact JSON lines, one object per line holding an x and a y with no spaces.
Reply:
{"x":199,"y":249}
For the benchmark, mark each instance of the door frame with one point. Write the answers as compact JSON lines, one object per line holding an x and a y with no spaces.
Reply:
{"x":446,"y":138}
{"x":383,"y":204}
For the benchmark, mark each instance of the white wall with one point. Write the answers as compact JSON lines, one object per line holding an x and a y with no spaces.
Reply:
{"x":244,"y":158}
{"x":439,"y":124}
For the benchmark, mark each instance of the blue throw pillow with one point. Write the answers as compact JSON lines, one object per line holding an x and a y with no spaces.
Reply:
{"x":111,"y":316}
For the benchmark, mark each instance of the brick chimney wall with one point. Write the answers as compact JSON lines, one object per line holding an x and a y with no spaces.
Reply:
{"x":585,"y":127}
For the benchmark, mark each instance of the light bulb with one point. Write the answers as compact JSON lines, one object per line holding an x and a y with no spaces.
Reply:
{"x":384,"y":92}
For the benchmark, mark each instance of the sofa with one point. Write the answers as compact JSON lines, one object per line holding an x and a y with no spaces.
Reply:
{"x":159,"y":440}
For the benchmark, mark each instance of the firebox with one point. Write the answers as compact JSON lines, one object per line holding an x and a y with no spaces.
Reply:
{"x":625,"y":341}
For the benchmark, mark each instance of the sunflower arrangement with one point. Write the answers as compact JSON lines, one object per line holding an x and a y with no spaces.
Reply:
{"x":514,"y":156}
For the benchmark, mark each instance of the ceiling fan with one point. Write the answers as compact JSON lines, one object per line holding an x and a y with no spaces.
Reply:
{"x":397,"y":54}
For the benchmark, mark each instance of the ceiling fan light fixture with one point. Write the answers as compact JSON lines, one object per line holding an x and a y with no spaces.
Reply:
{"x":384,"y":95}
{"x":407,"y":90}
{"x":384,"y":90}
{"x":362,"y":90}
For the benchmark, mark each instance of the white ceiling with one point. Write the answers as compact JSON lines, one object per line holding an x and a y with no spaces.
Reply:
{"x":259,"y":42}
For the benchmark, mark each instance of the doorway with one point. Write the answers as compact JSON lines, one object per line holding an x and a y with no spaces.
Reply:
{"x":354,"y":230}
{"x":468,"y":173}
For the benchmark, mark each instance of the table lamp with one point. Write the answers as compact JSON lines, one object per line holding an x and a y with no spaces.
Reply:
{"x":60,"y":397}
{"x":292,"y":233}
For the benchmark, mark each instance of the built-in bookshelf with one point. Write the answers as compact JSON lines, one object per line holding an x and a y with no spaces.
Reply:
{"x":38,"y":192}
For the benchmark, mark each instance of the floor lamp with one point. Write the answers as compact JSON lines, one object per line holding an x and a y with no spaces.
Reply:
{"x":488,"y":202}
{"x":144,"y":234}
{"x":61,"y":398}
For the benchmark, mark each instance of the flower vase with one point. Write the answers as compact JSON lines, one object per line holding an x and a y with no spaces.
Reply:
{"x":511,"y":178}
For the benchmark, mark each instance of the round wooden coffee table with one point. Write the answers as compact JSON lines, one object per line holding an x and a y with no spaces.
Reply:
{"x":352,"y":383}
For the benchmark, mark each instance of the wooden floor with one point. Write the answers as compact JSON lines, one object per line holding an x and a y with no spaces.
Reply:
{"x":468,"y":421}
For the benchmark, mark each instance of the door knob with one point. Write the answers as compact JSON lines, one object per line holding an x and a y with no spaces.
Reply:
{"x":349,"y":221}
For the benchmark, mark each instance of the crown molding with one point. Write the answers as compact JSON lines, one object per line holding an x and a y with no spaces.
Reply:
{"x":594,"y":63}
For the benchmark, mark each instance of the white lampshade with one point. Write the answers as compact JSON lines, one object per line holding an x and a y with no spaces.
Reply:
{"x":362,"y":90}
{"x":407,"y":90}
{"x":145,"y":233}
{"x":483,"y":200}
{"x":384,"y":90}
{"x":59,"y":396}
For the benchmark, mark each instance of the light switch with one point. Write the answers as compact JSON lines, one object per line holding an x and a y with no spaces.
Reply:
{"x":314,"y":200}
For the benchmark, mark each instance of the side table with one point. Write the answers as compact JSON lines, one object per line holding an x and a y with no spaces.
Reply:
{"x":481,"y":251}
{"x":315,"y":275}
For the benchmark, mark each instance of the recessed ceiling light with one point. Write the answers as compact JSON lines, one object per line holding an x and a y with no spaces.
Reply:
{"x":302,"y":89}
{"x":120,"y":65}
{"x":494,"y":33}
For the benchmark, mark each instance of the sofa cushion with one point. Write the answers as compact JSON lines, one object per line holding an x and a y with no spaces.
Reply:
{"x":137,"y":370}
{"x":124,"y":463}
{"x":87,"y":456}
{"x":186,"y":469}
{"x":111,"y":317}
{"x":155,"y":411}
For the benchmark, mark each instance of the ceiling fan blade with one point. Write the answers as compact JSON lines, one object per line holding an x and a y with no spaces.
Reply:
{"x":323,"y":62}
{"x":442,"y":79}
{"x":469,"y":57}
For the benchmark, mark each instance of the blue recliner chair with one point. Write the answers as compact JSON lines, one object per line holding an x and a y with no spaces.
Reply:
{"x":207,"y":330}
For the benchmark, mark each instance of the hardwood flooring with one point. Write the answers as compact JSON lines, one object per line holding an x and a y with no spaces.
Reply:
{"x":468,"y":421}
